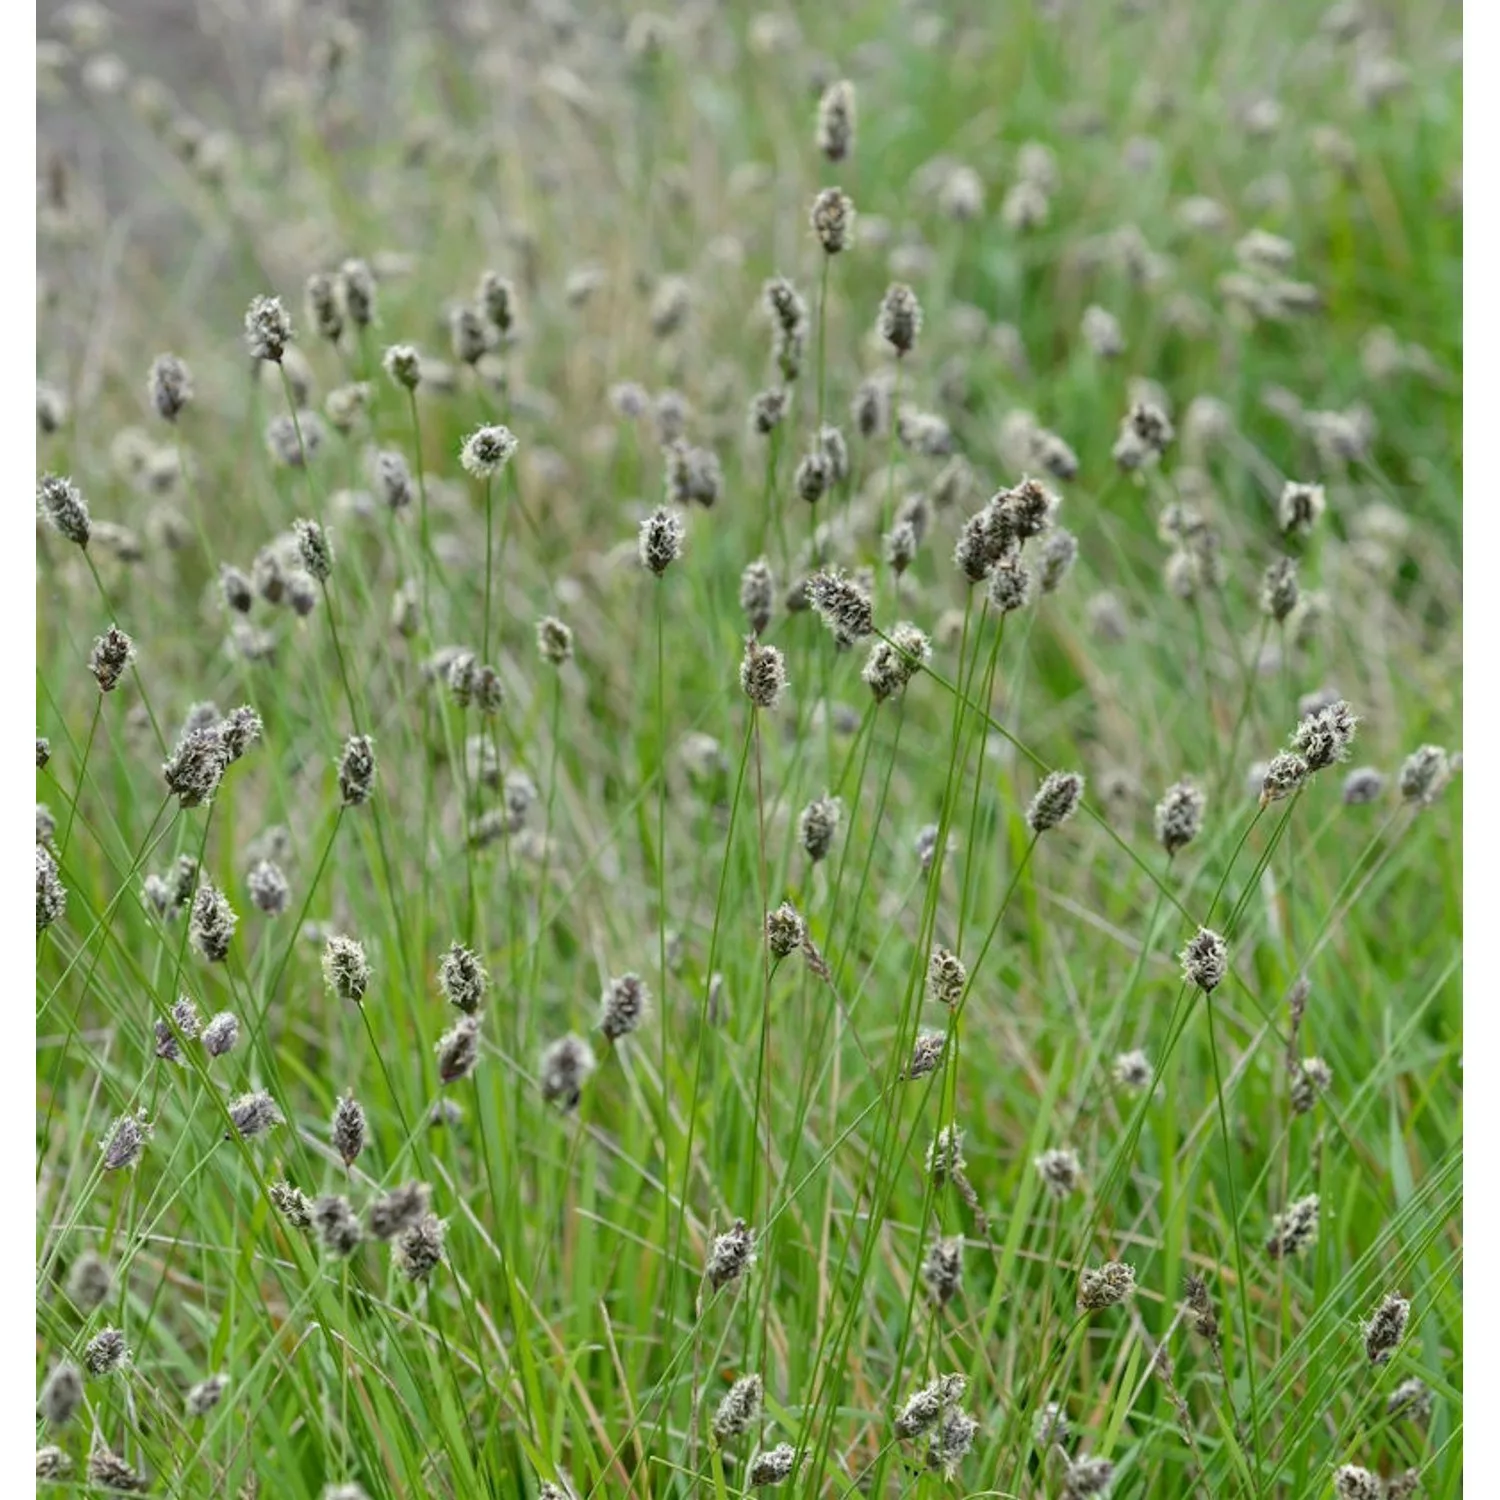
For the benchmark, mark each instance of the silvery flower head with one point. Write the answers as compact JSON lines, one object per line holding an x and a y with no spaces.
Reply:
{"x":565,"y":1068}
{"x":268,"y":329}
{"x":487,"y":450}
{"x":624,"y":1006}
{"x":60,"y":502}
{"x":730,"y":1255}
{"x":1060,"y":1170}
{"x":1056,"y":801}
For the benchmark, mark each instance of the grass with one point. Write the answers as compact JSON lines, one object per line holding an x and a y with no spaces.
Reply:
{"x":639,"y":815}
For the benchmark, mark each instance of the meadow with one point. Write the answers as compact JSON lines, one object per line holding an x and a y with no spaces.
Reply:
{"x":748,"y":754}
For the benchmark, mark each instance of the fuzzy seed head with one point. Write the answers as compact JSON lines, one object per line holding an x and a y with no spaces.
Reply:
{"x":1295,"y":1230}
{"x":1310,"y":1078}
{"x":1132,"y":1070}
{"x":1323,"y":738}
{"x":1061,"y":1171}
{"x":832,"y":220}
{"x":292,"y":1204}
{"x":1205,"y":960}
{"x":268,"y":329}
{"x":337,"y":1226}
{"x":458,"y":1050}
{"x":203,"y":1397}
{"x":624,"y":1006}
{"x":1279,"y":589}
{"x":1085,"y":1477}
{"x":1299,"y":508}
{"x":1350,"y":1482}
{"x":349,"y":1131}
{"x":60,"y":502}
{"x":51,"y":893}
{"x":739,"y":1408}
{"x":269,"y":890}
{"x":253,"y":1114}
{"x":467,"y":335}
{"x":463,"y":979}
{"x":1363,"y":785}
{"x":211,"y":923}
{"x":404,"y":365}
{"x":315,"y":548}
{"x":1284,"y":774}
{"x":554,"y":641}
{"x":1105,"y":1286}
{"x":757,"y":594}
{"x":221,"y":1033}
{"x":926,"y":1054}
{"x":357,"y":286}
{"x":942,"y":1270}
{"x":762,"y":673}
{"x":1056,"y":801}
{"x":1424,"y":773}
{"x":110,"y":1472}
{"x":660,"y":543}
{"x":945,"y":1155}
{"x":870,"y":409}
{"x":393,"y":481}
{"x":1413,"y":1400}
{"x":785,"y":930}
{"x":419,"y":1247}
{"x":730,"y":1255}
{"x":357,"y":770}
{"x":836,"y":118}
{"x":62,"y":1394}
{"x":1051,"y":1425}
{"x":818,"y":824}
{"x":170,"y":386}
{"x":346,"y":970}
{"x":893,"y":663}
{"x":901,"y":546}
{"x":900,"y":318}
{"x":951,"y":1442}
{"x":565,"y":1068}
{"x":1386,"y":1328}
{"x":487,"y":450}
{"x":106,"y":1352}
{"x":320,"y":298}
{"x":813,"y":476}
{"x":90,"y":1282}
{"x":399,"y":1209}
{"x":1058,"y":554}
{"x":946,"y":977}
{"x":772,"y":1467}
{"x":842,"y":605}
{"x":1179,"y":816}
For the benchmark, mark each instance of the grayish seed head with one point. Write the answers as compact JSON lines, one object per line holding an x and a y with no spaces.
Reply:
{"x":221,"y":1033}
{"x":458,"y":1050}
{"x":565,"y":1068}
{"x":126,"y":1140}
{"x":346,"y":970}
{"x":785,"y":930}
{"x":1299,"y":507}
{"x":253,"y":1114}
{"x":1386,"y":1328}
{"x":211,"y":923}
{"x":393,"y":481}
{"x":320,"y":300}
{"x":170,"y":386}
{"x":357,"y":770}
{"x":1051,"y":1426}
{"x":1411,"y":1400}
{"x":235,"y":587}
{"x":404,"y":366}
{"x":487,"y":450}
{"x":111,"y":1472}
{"x":113,"y":652}
{"x":292,"y":1204}
{"x":338,"y":1228}
{"x":832,"y":220}
{"x":818,"y":824}
{"x":772,"y":1467}
{"x":926,"y":1054}
{"x":90,"y":1281}
{"x":1323,"y":738}
{"x":1132,"y":1070}
{"x":739,"y":1408}
{"x":1060,"y":1170}
{"x":1105,"y":1286}
{"x":1295,"y":1230}
{"x":61,"y":504}
{"x":843,"y":606}
{"x":942,"y":1270}
{"x":268,"y":329}
{"x":468,"y":335}
{"x":1283,"y":775}
{"x":62,"y":1393}
{"x":762,"y":673}
{"x":1205,"y":960}
{"x":51,"y":893}
{"x":836,"y":120}
{"x":624,"y":1006}
{"x":1310,"y":1078}
{"x":1179,"y":816}
{"x":947,"y":977}
{"x":660,"y":541}
{"x":269,"y":890}
{"x":1424,"y":773}
{"x":900,"y":318}
{"x":730,"y":1255}
{"x":106,"y":1352}
{"x":1085,"y":1477}
{"x":757,"y":594}
{"x":315,"y":547}
{"x":1279,"y":589}
{"x":1056,"y":801}
{"x":463,"y":979}
{"x":203,"y":1397}
{"x":348,"y":1129}
{"x":952,"y":1440}
{"x":554,"y":641}
{"x":400,"y":1208}
{"x":1350,"y":1482}
{"x":357,"y":288}
{"x":419,"y":1247}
